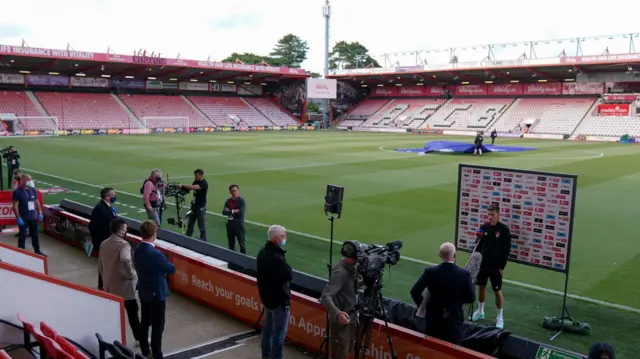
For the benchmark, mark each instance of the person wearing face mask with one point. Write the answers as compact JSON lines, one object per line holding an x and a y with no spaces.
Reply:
{"x":28,"y":213}
{"x":152,"y":195}
{"x":100,"y":222}
{"x":449,"y":287}
{"x":118,"y":274}
{"x":338,"y":298}
{"x":234,"y":209}
{"x":274,"y":276}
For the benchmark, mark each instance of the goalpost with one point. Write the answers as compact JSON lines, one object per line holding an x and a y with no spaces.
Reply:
{"x":30,"y":125}
{"x":162,"y":122}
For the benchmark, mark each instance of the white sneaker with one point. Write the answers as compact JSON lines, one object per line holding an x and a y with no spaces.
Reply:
{"x":477,"y":315}
{"x":500,"y":323}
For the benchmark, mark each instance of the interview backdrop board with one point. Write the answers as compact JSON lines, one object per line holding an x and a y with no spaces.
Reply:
{"x":538,"y":208}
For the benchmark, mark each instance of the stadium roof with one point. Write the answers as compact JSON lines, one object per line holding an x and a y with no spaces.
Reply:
{"x":521,"y":70}
{"x":25,"y":60}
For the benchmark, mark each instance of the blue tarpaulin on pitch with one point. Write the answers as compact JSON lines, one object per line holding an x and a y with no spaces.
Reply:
{"x":461,"y":147}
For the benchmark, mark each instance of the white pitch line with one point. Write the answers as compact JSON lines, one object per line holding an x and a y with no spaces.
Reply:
{"x":264,"y":170}
{"x":414,"y":260}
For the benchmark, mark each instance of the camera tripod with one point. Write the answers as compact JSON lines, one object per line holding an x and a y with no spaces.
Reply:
{"x":367,"y":309}
{"x":327,"y":336}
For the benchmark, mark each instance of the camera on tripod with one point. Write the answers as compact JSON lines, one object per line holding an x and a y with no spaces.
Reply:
{"x":372,"y":258}
{"x":179,"y":194}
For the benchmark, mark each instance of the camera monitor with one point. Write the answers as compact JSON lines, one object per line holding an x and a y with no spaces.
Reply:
{"x":333,"y":200}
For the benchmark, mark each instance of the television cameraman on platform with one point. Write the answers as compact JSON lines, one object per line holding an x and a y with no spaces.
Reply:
{"x":449,"y":288}
{"x":274,"y":276}
{"x":198,"y":204}
{"x":494,"y":243}
{"x":234,"y":209}
{"x":152,"y":195}
{"x":338,"y":297}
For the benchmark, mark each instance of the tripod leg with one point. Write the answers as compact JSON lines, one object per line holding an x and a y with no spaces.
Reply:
{"x":386,"y":325}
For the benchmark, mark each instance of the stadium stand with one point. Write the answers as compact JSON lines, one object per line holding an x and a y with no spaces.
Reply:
{"x":18,"y":104}
{"x":362,"y":111}
{"x":271,"y":111}
{"x":85,"y":110}
{"x":609,"y":126}
{"x":464,"y":114}
{"x":229,"y":110}
{"x":551,"y":115}
{"x":408,"y":113}
{"x":166,"y":111}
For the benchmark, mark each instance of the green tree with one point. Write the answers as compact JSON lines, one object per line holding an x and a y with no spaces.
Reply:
{"x":313,"y":107}
{"x":350,"y":55}
{"x":290,"y":51}
{"x":251,"y":59}
{"x":314,"y":75}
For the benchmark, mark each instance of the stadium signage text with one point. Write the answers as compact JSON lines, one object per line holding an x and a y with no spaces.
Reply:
{"x":34,"y":51}
{"x":614,"y":109}
{"x":149,"y":60}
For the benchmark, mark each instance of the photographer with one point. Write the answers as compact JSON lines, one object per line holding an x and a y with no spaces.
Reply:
{"x":152,"y":195}
{"x":234,"y":208}
{"x":13,"y":162}
{"x":338,"y":298}
{"x":198,"y":204}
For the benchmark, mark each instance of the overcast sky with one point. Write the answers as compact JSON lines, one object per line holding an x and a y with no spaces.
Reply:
{"x":198,"y":29}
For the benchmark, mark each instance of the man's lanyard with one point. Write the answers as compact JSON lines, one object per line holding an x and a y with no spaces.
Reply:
{"x":232,"y":203}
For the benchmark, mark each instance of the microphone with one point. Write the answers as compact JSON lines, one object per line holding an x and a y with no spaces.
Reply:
{"x":394,"y":245}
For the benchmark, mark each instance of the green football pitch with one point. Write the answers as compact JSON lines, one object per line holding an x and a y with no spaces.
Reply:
{"x":388,"y":196}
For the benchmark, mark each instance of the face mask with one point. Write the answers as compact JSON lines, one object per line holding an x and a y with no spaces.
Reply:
{"x":158,"y":179}
{"x":284,"y":241}
{"x":112,"y":199}
{"x":30,"y":184}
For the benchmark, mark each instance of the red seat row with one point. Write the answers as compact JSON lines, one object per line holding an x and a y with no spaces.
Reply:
{"x":52,"y":345}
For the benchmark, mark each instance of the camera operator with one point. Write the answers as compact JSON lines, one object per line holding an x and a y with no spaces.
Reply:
{"x":13,"y":162}
{"x":449,"y":288}
{"x":338,"y":298}
{"x":152,"y":195}
{"x":234,"y":208}
{"x":198,"y":204}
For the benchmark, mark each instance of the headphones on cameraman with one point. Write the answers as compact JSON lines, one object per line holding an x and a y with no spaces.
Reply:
{"x":350,"y":249}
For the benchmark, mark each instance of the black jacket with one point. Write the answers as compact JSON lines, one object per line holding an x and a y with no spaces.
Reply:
{"x":450,"y":287}
{"x":495,"y":245}
{"x":100,"y":223}
{"x":274,"y":275}
{"x":237,"y":220}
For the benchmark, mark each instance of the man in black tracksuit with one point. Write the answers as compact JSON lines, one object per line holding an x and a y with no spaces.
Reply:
{"x":494,"y":134}
{"x":234,"y":209}
{"x":494,"y":243}
{"x":478,"y":144}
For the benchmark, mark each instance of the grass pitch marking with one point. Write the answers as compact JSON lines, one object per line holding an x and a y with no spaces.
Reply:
{"x":326,"y":240}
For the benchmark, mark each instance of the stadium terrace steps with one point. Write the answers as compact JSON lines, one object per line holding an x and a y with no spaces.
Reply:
{"x":164,"y":111}
{"x":20,"y":104}
{"x":227,"y":110}
{"x":198,"y":109}
{"x":258,"y":110}
{"x":37,"y":103}
{"x":363,"y":110}
{"x":465,"y":114}
{"x":590,"y":113}
{"x":558,"y":117}
{"x":129,"y":112}
{"x":271,"y":111}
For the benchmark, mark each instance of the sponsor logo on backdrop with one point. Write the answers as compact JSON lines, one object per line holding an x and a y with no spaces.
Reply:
{"x":505,"y":89}
{"x":411,"y":91}
{"x":471,"y":90}
{"x":574,"y":88}
{"x":492,"y":185}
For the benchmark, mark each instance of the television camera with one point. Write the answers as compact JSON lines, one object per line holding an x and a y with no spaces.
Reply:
{"x":12,"y":157}
{"x":371,"y":259}
{"x":179,"y":194}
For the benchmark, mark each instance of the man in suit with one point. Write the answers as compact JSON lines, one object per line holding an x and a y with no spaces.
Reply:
{"x":152,"y":267}
{"x":449,"y":287}
{"x":100,"y":222}
{"x":118,"y":274}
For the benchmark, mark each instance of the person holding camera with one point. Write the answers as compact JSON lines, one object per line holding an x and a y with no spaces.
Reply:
{"x":152,"y":195}
{"x":198,"y":204}
{"x":234,"y":208}
{"x":339,"y":297}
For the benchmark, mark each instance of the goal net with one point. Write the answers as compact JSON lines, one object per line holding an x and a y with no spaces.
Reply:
{"x":165,"y":122}
{"x":29,"y":126}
